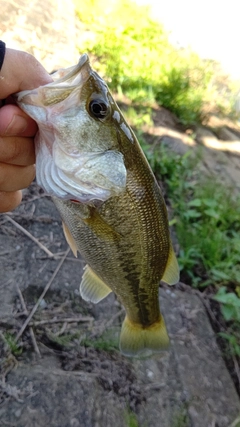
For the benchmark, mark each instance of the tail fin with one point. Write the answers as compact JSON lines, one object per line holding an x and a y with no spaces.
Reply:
{"x":135,"y":339}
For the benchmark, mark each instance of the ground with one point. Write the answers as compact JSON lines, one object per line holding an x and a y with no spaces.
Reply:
{"x":66,"y":369}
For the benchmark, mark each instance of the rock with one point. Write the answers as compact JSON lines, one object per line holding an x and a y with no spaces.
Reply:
{"x":226,"y":134}
{"x":46,"y":30}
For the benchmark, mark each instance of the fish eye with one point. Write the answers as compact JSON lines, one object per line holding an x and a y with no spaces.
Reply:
{"x":98,"y":109}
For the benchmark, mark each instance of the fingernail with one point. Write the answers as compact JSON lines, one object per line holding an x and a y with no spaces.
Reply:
{"x":17,"y":125}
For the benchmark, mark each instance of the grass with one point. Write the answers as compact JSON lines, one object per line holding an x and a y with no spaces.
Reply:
{"x":106,"y":342}
{"x":206,"y":217}
{"x":64,"y":340}
{"x":131,"y":419}
{"x":14,"y":347}
{"x":180,"y":417}
{"x":139,"y":61}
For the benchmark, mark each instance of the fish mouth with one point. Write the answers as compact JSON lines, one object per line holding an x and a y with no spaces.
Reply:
{"x":70,"y":73}
{"x":65,"y":80}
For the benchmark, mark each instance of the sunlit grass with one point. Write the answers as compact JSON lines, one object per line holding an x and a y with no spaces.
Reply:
{"x":134,"y":55}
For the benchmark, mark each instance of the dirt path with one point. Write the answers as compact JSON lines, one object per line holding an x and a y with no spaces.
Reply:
{"x":80,"y":378}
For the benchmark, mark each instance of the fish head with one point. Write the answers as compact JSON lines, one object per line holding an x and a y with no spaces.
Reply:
{"x":77,"y":147}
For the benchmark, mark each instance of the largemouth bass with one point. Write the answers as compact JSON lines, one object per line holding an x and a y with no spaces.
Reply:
{"x":113,"y":212}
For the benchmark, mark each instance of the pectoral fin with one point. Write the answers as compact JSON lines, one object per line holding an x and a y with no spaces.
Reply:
{"x":171,"y":273}
{"x":100,"y":227}
{"x":70,"y":239}
{"x":92,"y":288}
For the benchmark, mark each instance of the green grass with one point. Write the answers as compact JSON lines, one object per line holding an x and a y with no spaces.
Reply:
{"x":131,"y":419}
{"x":206,"y":217}
{"x":108,"y":341}
{"x":180,"y":417}
{"x":139,"y":61}
{"x":14,"y":347}
{"x":100,"y":344}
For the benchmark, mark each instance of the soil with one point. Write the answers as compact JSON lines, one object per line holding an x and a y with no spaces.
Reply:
{"x":66,"y":369}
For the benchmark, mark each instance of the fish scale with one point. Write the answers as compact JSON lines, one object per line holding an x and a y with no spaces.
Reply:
{"x":112,"y":208}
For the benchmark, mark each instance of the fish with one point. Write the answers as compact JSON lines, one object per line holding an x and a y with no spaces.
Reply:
{"x":113,"y":211}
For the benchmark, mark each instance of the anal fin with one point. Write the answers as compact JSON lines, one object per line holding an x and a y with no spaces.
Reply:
{"x":92,"y":288}
{"x":171,"y":273}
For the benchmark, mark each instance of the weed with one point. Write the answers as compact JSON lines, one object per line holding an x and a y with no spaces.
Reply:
{"x":180,"y":417}
{"x":131,"y":419}
{"x":230,"y":304}
{"x":139,"y":116}
{"x":64,"y":340}
{"x":139,"y":61}
{"x":233,"y":343}
{"x":14,"y":347}
{"x":101,"y":343}
{"x":206,"y":219}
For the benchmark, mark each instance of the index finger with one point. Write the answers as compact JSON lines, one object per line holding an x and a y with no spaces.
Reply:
{"x":21,"y":71}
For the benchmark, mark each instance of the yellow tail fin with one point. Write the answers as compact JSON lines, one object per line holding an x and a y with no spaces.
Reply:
{"x":135,"y":339}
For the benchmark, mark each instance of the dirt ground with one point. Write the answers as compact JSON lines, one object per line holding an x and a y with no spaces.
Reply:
{"x":66,"y":369}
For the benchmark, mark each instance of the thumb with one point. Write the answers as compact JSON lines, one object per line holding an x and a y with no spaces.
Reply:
{"x":21,"y":71}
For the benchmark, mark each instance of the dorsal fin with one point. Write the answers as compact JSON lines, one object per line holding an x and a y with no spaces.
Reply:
{"x":171,"y":273}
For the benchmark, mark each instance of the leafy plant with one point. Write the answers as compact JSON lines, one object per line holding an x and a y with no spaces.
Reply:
{"x":64,"y":340}
{"x":180,"y":417}
{"x":14,"y":347}
{"x":106,"y":342}
{"x":230,"y":304}
{"x":139,"y":61}
{"x":206,"y":217}
{"x":233,"y":342}
{"x":131,"y":419}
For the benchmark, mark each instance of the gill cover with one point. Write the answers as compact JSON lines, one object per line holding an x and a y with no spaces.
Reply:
{"x":72,"y":160}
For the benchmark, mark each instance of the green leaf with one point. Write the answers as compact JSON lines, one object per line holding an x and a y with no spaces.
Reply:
{"x":219,"y":274}
{"x":192,"y":213}
{"x":195,"y":203}
{"x":212,"y":213}
{"x":228,"y":312}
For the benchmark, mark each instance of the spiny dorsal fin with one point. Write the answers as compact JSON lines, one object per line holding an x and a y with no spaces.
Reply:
{"x":70,"y":239}
{"x":171,"y":273}
{"x":92,"y":288}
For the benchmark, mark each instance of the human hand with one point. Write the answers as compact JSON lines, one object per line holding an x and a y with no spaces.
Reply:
{"x":20,"y":71}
